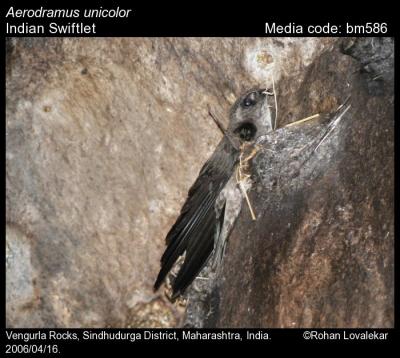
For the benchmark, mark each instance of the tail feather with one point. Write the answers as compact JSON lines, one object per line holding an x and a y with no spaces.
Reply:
{"x":199,"y":255}
{"x":179,"y":245}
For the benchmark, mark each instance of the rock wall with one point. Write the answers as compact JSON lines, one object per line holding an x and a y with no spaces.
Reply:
{"x":321,"y":253}
{"x":104,"y":138}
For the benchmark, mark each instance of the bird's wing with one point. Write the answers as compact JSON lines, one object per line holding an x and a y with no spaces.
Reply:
{"x":195,"y":227}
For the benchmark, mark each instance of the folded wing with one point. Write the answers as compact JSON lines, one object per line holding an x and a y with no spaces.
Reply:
{"x":194,"y":230}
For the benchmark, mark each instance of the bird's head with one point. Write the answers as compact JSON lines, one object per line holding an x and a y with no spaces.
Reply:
{"x":250,"y":116}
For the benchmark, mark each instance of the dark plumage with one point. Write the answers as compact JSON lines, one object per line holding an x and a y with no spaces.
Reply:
{"x":194,"y":231}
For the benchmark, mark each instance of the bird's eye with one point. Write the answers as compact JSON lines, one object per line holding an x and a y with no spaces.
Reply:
{"x":250,"y":99}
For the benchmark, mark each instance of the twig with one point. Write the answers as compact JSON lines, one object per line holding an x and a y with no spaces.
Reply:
{"x":241,"y":177}
{"x":248,"y":201}
{"x":276,"y":102}
{"x":302,"y":120}
{"x":344,"y":103}
{"x":329,"y":129}
{"x":332,"y":126}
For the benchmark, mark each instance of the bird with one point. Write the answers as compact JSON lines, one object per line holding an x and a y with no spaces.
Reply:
{"x":214,"y":200}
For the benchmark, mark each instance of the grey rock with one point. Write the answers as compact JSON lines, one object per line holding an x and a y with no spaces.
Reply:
{"x":321,"y":251}
{"x":106,"y":135}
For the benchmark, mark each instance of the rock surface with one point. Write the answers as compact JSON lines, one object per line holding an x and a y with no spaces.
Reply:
{"x":104,"y":138}
{"x":321,"y":251}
